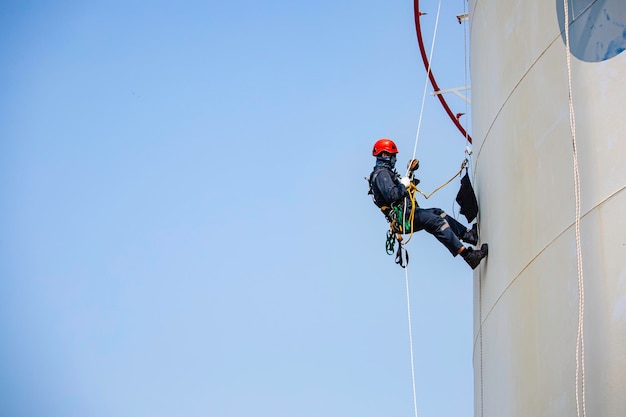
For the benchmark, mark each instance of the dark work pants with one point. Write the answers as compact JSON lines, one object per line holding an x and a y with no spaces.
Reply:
{"x":445,"y":228}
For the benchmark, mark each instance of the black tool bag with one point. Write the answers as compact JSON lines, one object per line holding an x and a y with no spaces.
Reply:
{"x":467,"y":199}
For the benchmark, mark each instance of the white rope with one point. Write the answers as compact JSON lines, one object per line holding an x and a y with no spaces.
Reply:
{"x":468,"y":151}
{"x":408,"y":305}
{"x":469,"y":156}
{"x":419,"y":125}
{"x":480,"y":330}
{"x":406,"y":270}
{"x":580,"y":340}
{"x":430,"y":57}
{"x":465,"y":65}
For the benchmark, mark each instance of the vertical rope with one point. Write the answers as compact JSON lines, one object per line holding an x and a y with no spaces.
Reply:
{"x":480,"y":330}
{"x":465,"y":65}
{"x":430,"y":57}
{"x":580,"y":341}
{"x":408,"y":305}
{"x":480,"y":284}
{"x":406,"y":270}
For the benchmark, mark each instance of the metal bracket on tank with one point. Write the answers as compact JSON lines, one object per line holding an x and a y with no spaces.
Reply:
{"x":455,"y":91}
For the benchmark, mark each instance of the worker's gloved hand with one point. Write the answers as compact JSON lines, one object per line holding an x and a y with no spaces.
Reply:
{"x":405,"y":181}
{"x":413,"y":165}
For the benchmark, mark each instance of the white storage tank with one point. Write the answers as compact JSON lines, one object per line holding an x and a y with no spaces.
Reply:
{"x":527,"y":307}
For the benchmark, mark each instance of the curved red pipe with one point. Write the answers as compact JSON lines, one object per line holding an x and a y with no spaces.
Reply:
{"x":420,"y":41}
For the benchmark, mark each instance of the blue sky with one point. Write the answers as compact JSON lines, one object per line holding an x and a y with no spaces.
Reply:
{"x":185,"y":225}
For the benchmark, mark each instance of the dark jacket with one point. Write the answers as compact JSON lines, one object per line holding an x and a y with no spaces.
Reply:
{"x":386,"y":187}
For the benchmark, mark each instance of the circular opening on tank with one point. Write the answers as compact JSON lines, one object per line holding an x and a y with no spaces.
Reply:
{"x":598,"y":28}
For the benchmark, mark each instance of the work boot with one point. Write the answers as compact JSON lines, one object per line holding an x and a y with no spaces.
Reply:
{"x":474,"y":256}
{"x":471,"y":235}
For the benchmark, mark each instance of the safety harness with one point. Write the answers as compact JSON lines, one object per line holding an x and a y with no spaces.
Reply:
{"x":395,"y":214}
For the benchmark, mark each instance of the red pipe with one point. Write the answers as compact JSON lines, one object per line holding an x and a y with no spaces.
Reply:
{"x":420,"y":41}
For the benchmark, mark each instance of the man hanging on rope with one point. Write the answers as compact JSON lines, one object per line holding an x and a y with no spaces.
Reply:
{"x":390,"y":195}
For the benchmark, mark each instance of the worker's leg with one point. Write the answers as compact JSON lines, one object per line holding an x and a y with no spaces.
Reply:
{"x":466,"y":235}
{"x":435,"y":222}
{"x":463,"y":233}
{"x":457,"y":227}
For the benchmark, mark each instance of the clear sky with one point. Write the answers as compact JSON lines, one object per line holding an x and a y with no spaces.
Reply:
{"x":185,"y":229}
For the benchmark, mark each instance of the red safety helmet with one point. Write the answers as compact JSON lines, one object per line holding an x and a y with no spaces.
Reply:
{"x":384,"y":145}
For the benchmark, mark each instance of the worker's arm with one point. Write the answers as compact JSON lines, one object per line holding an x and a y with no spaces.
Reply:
{"x":392,"y":191}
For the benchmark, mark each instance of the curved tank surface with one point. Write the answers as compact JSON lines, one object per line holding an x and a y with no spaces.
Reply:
{"x":527,"y":311}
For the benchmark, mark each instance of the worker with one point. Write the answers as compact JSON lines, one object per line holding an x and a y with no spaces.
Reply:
{"x":390,"y":195}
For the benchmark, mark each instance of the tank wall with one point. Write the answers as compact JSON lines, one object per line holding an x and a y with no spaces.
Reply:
{"x":526,"y":294}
